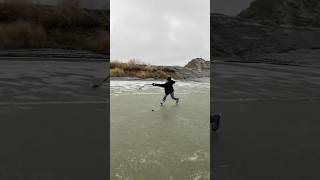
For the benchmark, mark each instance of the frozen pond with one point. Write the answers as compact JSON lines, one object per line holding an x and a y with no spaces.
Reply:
{"x":270,"y":121}
{"x":171,"y":142}
{"x":53,"y":123}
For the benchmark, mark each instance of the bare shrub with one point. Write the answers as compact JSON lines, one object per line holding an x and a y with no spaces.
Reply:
{"x":68,"y":26}
{"x":117,"y":72}
{"x":98,"y":42}
{"x":138,"y":69}
{"x":22,"y":34}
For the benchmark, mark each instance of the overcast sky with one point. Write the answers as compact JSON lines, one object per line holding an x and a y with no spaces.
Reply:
{"x":229,"y":7}
{"x":166,"y":32}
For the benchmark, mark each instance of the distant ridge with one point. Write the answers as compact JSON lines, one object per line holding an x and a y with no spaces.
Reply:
{"x":288,"y":12}
{"x":285,"y":32}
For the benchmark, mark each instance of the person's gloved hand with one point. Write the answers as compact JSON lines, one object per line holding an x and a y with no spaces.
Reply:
{"x":153,"y":84}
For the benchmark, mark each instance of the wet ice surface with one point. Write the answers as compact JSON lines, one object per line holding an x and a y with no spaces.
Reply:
{"x":171,"y":142}
{"x":145,"y":87}
{"x":53,"y":123}
{"x":270,"y":121}
{"x":36,"y":81}
{"x":254,"y":82}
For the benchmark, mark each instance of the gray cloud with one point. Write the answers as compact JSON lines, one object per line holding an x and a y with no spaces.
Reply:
{"x":229,"y":7}
{"x":160,"y":32}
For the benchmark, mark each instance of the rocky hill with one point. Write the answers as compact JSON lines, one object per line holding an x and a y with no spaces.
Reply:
{"x":268,"y":36}
{"x":198,"y":64}
{"x":289,"y":12}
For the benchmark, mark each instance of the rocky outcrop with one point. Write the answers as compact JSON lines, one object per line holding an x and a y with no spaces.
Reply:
{"x":247,"y":40}
{"x":187,"y":73}
{"x":267,"y":35}
{"x":196,"y":68}
{"x":285,"y":12}
{"x":198,"y":64}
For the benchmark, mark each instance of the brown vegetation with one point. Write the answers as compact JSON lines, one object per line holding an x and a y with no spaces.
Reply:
{"x":68,"y":26}
{"x":135,"y":68}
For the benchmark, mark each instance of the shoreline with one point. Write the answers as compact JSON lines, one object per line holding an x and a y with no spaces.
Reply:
{"x":52,"y":54}
{"x":202,"y":79}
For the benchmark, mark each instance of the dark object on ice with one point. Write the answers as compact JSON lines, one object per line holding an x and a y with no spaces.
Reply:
{"x":215,"y":122}
{"x":152,"y":109}
{"x":101,"y":83}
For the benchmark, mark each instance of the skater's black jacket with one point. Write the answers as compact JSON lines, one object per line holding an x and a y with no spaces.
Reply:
{"x":168,"y":86}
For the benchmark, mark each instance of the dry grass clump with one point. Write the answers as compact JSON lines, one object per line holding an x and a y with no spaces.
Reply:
{"x":21,"y":34}
{"x":134,"y":68}
{"x":117,"y":72}
{"x":68,"y":26}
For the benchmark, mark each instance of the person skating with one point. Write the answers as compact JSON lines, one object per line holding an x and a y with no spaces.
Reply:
{"x":168,"y":90}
